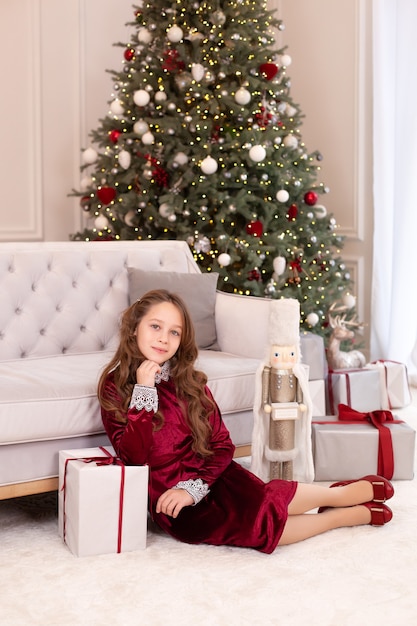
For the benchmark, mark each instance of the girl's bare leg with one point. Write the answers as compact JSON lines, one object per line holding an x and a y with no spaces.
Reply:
{"x":300,"y":527}
{"x":310,"y":496}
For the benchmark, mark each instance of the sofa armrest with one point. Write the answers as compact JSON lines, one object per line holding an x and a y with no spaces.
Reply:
{"x":242,"y":324}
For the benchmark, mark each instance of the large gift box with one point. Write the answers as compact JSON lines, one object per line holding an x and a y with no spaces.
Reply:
{"x":102,"y":504}
{"x":318,"y":397}
{"x":358,"y":388}
{"x":349,"y":449}
{"x":394,"y":385}
{"x":313,"y":354}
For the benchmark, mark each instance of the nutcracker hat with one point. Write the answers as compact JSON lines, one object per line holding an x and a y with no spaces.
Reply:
{"x":284,"y":322}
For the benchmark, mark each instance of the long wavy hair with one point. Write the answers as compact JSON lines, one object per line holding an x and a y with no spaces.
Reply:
{"x":189,"y":382}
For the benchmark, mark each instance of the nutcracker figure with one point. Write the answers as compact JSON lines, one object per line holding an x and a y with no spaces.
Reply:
{"x":281,"y":443}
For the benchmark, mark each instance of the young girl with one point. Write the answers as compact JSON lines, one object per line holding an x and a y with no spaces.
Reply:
{"x":157,"y":410}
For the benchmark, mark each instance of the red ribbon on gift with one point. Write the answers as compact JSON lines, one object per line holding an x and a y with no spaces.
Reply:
{"x":347,"y":380}
{"x":378,"y":419}
{"x":109,"y":459}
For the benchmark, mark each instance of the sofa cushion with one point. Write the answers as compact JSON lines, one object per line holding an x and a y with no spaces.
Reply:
{"x":197,"y":290}
{"x":55,"y":397}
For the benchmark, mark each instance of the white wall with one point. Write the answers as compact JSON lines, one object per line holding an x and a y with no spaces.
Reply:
{"x":53,"y":61}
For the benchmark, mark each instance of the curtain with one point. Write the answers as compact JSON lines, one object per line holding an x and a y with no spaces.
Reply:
{"x":394,"y":288}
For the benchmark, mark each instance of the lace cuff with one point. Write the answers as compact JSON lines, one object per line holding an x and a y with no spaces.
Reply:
{"x":196,"y":488}
{"x":144,"y":398}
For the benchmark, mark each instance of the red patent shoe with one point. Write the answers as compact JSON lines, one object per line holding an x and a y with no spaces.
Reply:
{"x":383,"y":489}
{"x":380,"y":513}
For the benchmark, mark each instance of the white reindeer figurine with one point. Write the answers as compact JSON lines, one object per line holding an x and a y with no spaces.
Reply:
{"x":337,"y":358}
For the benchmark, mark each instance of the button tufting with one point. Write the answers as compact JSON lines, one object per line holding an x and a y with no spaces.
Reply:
{"x":74,"y":283}
{"x":58,"y":308}
{"x":34,"y":287}
{"x":42,"y":331}
{"x":22,"y":355}
{"x":63,"y":350}
{"x":11,"y":269}
{"x":18,"y":311}
{"x":82,"y":328}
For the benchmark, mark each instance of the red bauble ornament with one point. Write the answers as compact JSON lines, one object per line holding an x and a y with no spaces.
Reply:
{"x":310,"y":198}
{"x":255,"y":228}
{"x":268,"y":70}
{"x":85,"y":203}
{"x":292,"y":212}
{"x":106,"y":194}
{"x":128,"y":54}
{"x":114,"y":135}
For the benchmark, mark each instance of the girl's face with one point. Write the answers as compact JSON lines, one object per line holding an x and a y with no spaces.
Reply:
{"x":158,"y":334}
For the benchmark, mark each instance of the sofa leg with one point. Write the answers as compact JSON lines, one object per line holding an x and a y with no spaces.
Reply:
{"x":242,"y":451}
{"x":19,"y":490}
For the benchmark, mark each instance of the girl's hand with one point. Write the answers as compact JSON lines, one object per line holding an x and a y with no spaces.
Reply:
{"x":172,"y":501}
{"x":145,"y":374}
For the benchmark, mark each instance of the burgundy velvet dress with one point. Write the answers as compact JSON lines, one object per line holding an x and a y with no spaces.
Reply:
{"x":239,"y":510}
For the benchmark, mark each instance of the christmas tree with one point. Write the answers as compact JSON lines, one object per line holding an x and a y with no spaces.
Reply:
{"x":202,"y":143}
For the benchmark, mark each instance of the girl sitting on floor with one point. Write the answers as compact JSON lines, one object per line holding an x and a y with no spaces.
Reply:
{"x":157,"y":410}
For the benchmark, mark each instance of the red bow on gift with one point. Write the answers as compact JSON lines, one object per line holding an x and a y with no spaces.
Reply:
{"x":377,"y":419}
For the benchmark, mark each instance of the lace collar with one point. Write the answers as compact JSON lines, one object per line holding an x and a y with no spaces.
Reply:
{"x":164,"y":373}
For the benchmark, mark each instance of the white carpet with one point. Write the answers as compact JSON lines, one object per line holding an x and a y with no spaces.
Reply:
{"x":362,"y":576}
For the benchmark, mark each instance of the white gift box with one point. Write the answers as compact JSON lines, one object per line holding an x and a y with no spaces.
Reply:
{"x":394,"y":385}
{"x":358,"y":388}
{"x":313,"y":354}
{"x":317,"y":390}
{"x":102,"y":509}
{"x":346,"y":451}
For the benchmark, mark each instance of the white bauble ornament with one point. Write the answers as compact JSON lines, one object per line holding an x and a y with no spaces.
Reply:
{"x":140,"y":127}
{"x":197,"y":71}
{"x":242,"y":96}
{"x":144,"y":36}
{"x":286,"y":60}
{"x":224,"y":259}
{"x":181,"y":158}
{"x":290,"y":110}
{"x":282,"y":195}
{"x":279,"y":264}
{"x":141,"y":97}
{"x":321,"y":211}
{"x":165,"y":210}
{"x":148,"y":138}
{"x":160,"y":96}
{"x":175,"y":34}
{"x":89,"y":156}
{"x":172,"y":217}
{"x":349,"y":300}
{"x":257,"y":153}
{"x":116,"y":107}
{"x":290,"y":142}
{"x":312,"y":319}
{"x":208,"y":165}
{"x":129,"y":217}
{"x":101,"y":222}
{"x":86,"y":183}
{"x":125,"y":159}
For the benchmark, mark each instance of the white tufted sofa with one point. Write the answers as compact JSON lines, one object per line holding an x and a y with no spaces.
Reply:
{"x":59,"y":313}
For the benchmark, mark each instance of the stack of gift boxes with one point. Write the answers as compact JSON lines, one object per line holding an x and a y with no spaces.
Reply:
{"x":355,"y":431}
